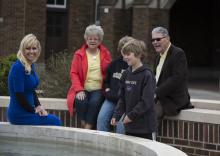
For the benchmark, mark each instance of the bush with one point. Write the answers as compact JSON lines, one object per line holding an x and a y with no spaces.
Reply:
{"x":55,"y":80}
{"x":5,"y":64}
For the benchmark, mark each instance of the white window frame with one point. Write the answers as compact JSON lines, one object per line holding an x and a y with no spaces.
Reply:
{"x":55,"y":5}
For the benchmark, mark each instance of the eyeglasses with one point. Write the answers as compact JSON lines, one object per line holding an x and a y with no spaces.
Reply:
{"x":157,"y":39}
{"x":92,"y":39}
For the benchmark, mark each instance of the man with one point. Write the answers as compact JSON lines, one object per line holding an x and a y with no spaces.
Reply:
{"x":170,"y":69}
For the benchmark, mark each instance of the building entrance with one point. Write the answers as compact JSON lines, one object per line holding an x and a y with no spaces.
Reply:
{"x":194,"y":26}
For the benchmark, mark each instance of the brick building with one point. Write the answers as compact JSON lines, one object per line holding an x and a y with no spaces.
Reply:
{"x":60,"y":25}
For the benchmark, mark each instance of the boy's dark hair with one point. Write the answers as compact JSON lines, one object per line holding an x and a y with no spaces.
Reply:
{"x":135,"y":46}
{"x":122,"y":42}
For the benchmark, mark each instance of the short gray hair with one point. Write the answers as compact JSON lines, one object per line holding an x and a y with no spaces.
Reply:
{"x":94,"y":29}
{"x":161,"y":30}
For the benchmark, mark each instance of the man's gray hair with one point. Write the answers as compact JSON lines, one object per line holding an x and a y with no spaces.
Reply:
{"x":161,"y":30}
{"x":94,"y":29}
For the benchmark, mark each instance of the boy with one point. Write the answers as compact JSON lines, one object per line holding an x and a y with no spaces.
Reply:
{"x":136,"y":94}
{"x":112,"y":84}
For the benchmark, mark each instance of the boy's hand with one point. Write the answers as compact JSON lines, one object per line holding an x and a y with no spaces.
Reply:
{"x":107,"y":89}
{"x":126,"y":120}
{"x":113,"y":121}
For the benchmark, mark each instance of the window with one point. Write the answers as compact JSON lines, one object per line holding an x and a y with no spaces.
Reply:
{"x":54,"y":25}
{"x":56,"y":4}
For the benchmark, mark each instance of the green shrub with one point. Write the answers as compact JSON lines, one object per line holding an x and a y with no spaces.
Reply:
{"x":55,"y":79}
{"x":5,"y":64}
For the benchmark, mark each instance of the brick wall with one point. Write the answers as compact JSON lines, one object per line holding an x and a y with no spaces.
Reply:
{"x":144,"y":20}
{"x":12,"y":13}
{"x":35,"y":21}
{"x":107,"y":2}
{"x":81,"y":14}
{"x":20,"y":18}
{"x":116,"y":24}
{"x":107,"y":22}
{"x":137,"y":21}
{"x":193,"y":138}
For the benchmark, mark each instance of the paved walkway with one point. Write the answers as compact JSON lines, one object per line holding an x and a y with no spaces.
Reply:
{"x":204,"y":94}
{"x":204,"y":89}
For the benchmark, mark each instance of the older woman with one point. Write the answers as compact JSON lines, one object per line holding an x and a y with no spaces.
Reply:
{"x":24,"y":107}
{"x":87,"y":73}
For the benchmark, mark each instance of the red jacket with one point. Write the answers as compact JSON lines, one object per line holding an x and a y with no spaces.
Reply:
{"x":79,"y":69}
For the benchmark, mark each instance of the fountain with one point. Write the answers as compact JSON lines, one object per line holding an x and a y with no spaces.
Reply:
{"x":68,"y":139}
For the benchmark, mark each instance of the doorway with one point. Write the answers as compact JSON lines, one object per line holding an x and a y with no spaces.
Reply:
{"x":194,"y":26}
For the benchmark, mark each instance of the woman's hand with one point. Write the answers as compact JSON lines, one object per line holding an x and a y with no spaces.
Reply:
{"x":126,"y":120}
{"x":80,"y":95}
{"x":41,"y":111}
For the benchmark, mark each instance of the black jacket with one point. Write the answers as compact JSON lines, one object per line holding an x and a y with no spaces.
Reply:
{"x":137,"y":100}
{"x":113,"y":76}
{"x":172,"y":89}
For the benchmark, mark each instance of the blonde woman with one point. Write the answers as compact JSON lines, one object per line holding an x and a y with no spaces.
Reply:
{"x":24,"y":107}
{"x":88,"y":71}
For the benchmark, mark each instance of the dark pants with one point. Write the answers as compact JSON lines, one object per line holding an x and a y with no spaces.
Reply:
{"x":88,"y":109}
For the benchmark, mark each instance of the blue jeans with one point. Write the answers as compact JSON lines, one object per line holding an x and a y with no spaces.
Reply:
{"x":104,"y":118}
{"x":88,"y":109}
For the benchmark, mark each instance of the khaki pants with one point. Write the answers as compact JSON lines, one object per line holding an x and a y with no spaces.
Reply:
{"x":159,"y":112}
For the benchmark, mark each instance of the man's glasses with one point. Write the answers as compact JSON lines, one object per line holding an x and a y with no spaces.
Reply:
{"x":157,"y":39}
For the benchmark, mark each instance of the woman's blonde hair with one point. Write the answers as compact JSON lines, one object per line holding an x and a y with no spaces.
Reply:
{"x":29,"y":40}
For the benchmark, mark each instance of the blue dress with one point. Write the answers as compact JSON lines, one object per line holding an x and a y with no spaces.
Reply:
{"x":21,"y":82}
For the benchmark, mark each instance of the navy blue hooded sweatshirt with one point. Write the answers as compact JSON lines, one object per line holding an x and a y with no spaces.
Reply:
{"x":137,"y":100}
